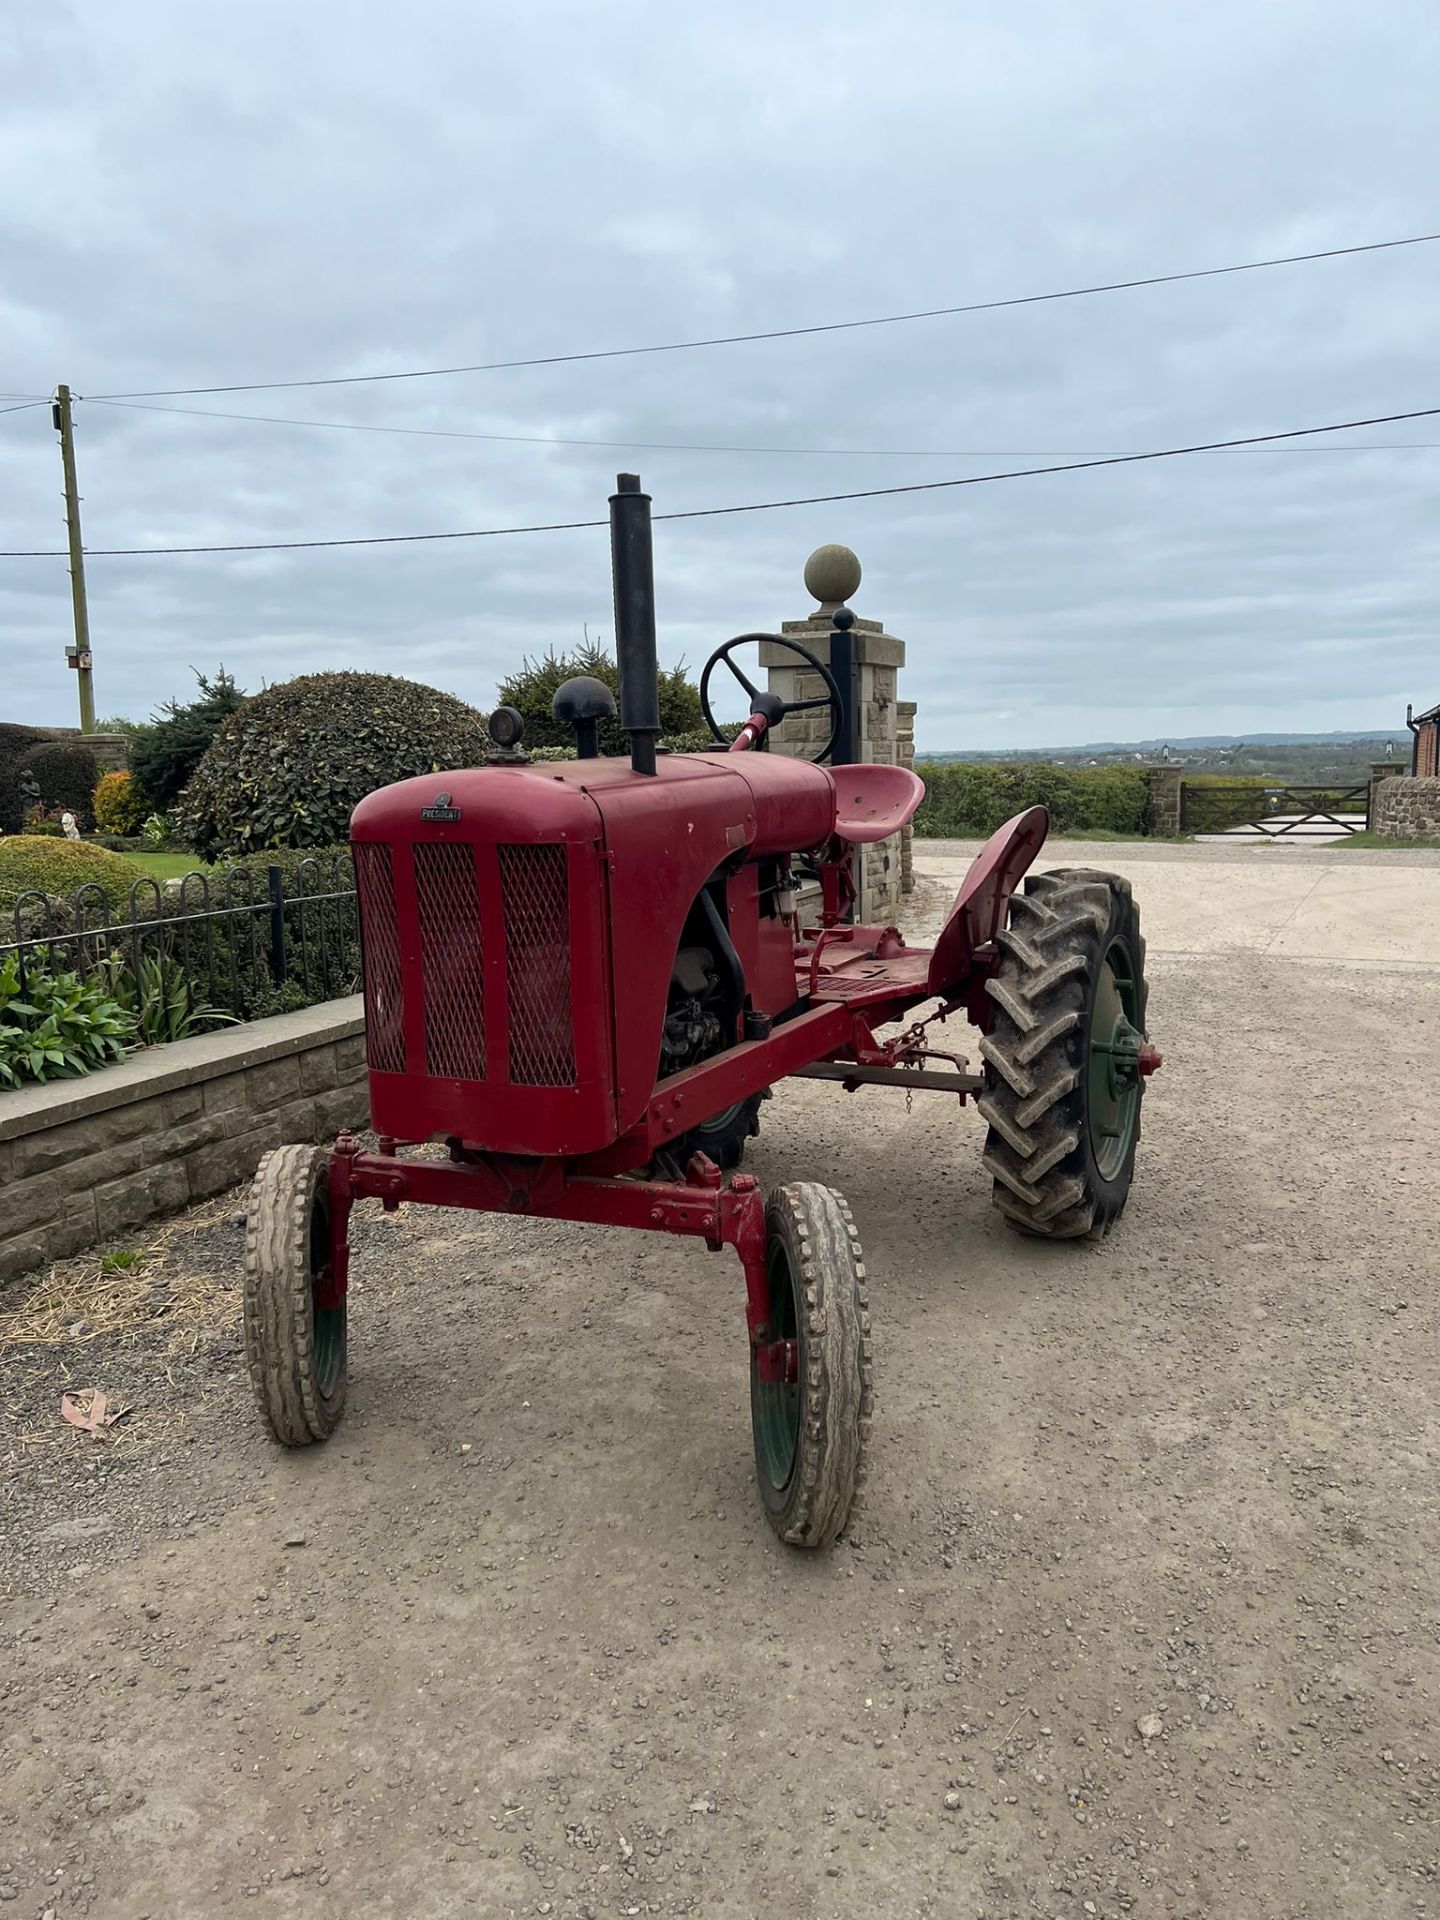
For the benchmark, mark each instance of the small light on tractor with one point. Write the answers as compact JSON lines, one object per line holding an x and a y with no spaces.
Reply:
{"x":507,"y":727}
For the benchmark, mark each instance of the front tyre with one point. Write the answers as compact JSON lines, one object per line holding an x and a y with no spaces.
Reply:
{"x":811,"y":1417}
{"x":295,"y":1347}
{"x":1064,"y":1069}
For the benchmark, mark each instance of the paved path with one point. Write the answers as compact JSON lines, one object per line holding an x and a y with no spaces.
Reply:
{"x":1336,"y":907}
{"x":1138,"y":1616}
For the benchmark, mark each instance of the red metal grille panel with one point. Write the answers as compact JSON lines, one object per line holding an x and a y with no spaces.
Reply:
{"x":380,"y":944}
{"x":452,"y":960}
{"x":535,"y":887}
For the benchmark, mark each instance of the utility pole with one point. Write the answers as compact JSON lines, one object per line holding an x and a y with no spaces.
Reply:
{"x":78,"y":655}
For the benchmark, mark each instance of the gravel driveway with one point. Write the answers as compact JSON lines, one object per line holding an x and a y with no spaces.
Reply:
{"x":1139,"y":1614}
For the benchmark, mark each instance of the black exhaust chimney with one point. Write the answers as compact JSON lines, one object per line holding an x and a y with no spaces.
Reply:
{"x":633,"y":569}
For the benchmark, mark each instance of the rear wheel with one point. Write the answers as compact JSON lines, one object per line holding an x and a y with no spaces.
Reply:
{"x":1063,"y":1067}
{"x":722,"y":1139}
{"x":811,"y":1417}
{"x":295,"y":1347}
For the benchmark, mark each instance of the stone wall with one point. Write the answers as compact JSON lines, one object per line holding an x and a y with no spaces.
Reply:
{"x":905,"y":755}
{"x":1405,"y":809}
{"x":82,"y":1162}
{"x":111,"y":750}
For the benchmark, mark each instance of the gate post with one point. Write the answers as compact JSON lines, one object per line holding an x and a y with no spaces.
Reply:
{"x":832,"y":575}
{"x":1164,"y":806}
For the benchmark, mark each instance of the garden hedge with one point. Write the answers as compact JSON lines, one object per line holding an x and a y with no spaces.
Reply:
{"x":969,"y":800}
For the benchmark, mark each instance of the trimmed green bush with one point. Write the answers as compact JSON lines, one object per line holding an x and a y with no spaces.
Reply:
{"x":32,"y":862}
{"x":531,"y":690}
{"x":289,"y":767}
{"x":969,"y":801}
{"x":164,"y":754}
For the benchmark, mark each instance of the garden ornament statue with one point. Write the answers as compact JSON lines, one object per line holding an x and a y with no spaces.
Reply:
{"x":29,"y":792}
{"x":68,"y":825}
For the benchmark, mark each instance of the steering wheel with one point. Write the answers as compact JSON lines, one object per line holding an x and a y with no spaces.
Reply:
{"x":771,"y":705}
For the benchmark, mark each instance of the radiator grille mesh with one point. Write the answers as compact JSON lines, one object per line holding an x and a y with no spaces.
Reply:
{"x":452,"y":959}
{"x":534,"y":884}
{"x":384,"y":1007}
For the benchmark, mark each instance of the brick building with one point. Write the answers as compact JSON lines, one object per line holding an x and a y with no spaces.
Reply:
{"x":1425,"y":755}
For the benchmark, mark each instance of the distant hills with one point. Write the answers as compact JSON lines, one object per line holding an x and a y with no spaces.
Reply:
{"x":1195,"y":742}
{"x":1278,"y":756}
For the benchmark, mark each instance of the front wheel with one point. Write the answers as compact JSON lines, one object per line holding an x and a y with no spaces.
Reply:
{"x":294,"y":1343}
{"x":811,"y":1392}
{"x":1066,"y":1057}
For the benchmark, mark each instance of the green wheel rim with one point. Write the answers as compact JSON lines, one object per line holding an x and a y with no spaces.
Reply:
{"x":775,"y":1404}
{"x":328,"y":1322}
{"x":1113,"y":1104}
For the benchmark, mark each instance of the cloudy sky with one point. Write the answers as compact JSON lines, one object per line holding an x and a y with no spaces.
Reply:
{"x":262,"y":192}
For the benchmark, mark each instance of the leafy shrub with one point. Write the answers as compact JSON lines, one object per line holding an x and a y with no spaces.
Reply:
{"x":531,"y":690}
{"x":119,"y":805}
{"x":289,"y":767}
{"x":28,"y":861}
{"x":37,"y":821}
{"x":164,"y":754}
{"x":57,"y":1025}
{"x":700,"y":742}
{"x":155,"y":829}
{"x":161,"y":998}
{"x":966,"y":801}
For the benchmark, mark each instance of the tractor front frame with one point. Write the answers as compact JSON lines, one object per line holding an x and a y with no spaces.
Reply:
{"x":705,"y":1207}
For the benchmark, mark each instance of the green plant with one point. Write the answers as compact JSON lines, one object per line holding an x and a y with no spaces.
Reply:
{"x":33,"y":863}
{"x":289,"y":767}
{"x":164,"y":754}
{"x":532,"y":688}
{"x":119,"y":805}
{"x":123,"y":1259}
{"x":155,"y":829}
{"x":57,"y":1025}
{"x":970,"y":800}
{"x":119,"y":723}
{"x":161,"y":998}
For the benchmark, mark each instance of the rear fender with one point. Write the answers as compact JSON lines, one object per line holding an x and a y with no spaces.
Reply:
{"x":984,"y":898}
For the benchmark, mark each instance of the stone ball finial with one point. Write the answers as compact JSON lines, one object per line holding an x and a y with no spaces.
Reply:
{"x":832,"y":574}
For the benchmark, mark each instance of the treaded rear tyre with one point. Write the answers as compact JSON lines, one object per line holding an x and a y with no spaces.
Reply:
{"x":811,"y":1435}
{"x":722,"y":1139}
{"x":1073,"y":938}
{"x":295,"y":1352}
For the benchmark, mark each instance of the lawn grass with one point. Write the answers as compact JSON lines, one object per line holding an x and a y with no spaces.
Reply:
{"x":166,"y":866}
{"x":1383,"y":841}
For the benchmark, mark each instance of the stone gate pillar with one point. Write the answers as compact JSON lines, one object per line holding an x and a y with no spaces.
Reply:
{"x":832,"y":575}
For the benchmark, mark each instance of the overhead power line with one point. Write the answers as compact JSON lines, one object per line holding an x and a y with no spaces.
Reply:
{"x":755,"y":506}
{"x":783,"y":333}
{"x":691,"y":446}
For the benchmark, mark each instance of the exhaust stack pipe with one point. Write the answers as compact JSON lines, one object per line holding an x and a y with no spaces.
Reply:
{"x":633,"y":570}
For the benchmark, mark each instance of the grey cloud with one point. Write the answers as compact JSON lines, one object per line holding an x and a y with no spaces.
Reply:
{"x":276,"y":192}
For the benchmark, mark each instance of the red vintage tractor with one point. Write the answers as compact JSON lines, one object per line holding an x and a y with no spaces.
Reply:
{"x":582,"y":978}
